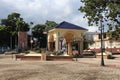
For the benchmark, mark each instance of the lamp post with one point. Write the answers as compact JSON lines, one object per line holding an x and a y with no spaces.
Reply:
{"x":31,"y":38}
{"x":46,"y":32}
{"x":101,"y":30}
{"x":31,"y":41}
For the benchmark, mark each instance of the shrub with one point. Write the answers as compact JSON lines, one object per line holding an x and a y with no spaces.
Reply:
{"x":60,"y":52}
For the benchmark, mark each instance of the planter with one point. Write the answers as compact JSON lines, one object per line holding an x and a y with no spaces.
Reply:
{"x":59,"y":58}
{"x":104,"y":56}
{"x":43,"y":57}
{"x":31,"y":58}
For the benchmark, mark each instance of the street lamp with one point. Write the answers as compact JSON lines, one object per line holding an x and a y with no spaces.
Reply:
{"x":101,"y":30}
{"x":31,"y":39}
{"x":46,"y":32}
{"x":31,"y":42}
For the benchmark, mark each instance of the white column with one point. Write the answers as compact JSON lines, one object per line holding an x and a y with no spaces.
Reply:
{"x":57,"y":42}
{"x":70,"y":48}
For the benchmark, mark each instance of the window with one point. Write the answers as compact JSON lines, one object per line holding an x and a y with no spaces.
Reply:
{"x":99,"y":36}
{"x":104,"y":36}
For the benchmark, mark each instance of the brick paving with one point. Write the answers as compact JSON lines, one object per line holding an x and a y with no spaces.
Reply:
{"x":83,"y":69}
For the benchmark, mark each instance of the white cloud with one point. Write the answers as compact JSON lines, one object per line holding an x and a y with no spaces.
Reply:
{"x":92,"y":28}
{"x":79,"y":20}
{"x":39,"y":11}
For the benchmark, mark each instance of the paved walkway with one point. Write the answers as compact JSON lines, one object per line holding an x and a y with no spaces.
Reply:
{"x":83,"y":69}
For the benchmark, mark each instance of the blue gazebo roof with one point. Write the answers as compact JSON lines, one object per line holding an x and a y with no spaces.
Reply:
{"x":67,"y":25}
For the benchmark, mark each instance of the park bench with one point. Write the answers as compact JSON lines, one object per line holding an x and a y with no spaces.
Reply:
{"x":18,"y":56}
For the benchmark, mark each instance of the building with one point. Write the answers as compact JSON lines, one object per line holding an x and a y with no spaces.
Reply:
{"x":22,"y":41}
{"x":64,"y":35}
{"x":109,"y":45}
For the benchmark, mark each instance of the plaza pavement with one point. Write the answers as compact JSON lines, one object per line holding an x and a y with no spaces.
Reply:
{"x":83,"y":69}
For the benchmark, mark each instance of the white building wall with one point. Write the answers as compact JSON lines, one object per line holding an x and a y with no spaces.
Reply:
{"x":115,"y":45}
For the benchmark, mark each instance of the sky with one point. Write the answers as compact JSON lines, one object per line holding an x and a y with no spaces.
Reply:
{"x":38,"y":11}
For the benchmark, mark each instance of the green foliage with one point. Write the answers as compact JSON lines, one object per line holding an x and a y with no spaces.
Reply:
{"x":60,"y":53}
{"x":56,"y":53}
{"x":38,"y":30}
{"x":88,"y":52}
{"x":87,"y":42}
{"x":4,"y":36}
{"x":106,"y":10}
{"x":15,"y":23}
{"x":50,"y":24}
{"x":10,"y":27}
{"x":22,"y":26}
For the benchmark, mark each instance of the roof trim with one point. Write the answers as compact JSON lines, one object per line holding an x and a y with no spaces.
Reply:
{"x":67,"y":25}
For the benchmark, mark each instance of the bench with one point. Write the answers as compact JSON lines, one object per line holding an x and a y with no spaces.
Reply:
{"x":18,"y":56}
{"x":59,"y":58}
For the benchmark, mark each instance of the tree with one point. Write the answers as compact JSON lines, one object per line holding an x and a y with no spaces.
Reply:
{"x":37,"y":32}
{"x":14,"y":23}
{"x":4,"y":36}
{"x":100,"y":12}
{"x":50,"y":24}
{"x":22,"y":25}
{"x":107,"y":11}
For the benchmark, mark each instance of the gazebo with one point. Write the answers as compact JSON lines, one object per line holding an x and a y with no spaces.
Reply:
{"x":64,"y":35}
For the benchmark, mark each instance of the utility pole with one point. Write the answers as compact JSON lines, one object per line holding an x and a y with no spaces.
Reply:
{"x":101,"y":30}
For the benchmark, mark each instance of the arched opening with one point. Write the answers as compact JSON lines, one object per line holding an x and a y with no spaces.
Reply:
{"x":69,"y":37}
{"x":51,"y":43}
